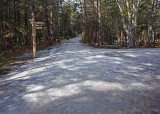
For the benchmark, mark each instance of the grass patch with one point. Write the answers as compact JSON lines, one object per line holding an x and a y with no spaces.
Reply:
{"x":4,"y":71}
{"x":3,"y":64}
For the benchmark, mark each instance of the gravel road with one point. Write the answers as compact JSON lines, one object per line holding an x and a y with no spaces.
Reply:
{"x":73,"y":78}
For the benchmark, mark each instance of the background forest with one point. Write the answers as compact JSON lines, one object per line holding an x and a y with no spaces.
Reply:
{"x":131,"y":22}
{"x":62,"y":20}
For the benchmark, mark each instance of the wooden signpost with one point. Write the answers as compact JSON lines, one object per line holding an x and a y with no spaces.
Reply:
{"x":39,"y":25}
{"x":35,"y":25}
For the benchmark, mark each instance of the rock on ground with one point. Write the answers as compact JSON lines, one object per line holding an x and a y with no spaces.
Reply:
{"x":78,"y":79}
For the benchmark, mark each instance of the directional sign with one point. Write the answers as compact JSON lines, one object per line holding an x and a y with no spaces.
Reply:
{"x":38,"y":27}
{"x":40,"y":23}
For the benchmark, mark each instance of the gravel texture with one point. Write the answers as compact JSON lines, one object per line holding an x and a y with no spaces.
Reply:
{"x":73,"y":78}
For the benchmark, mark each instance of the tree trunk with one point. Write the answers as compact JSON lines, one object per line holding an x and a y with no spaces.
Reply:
{"x":47,"y":21}
{"x":149,"y":33}
{"x":26,"y":25}
{"x":150,"y":24}
{"x":4,"y":47}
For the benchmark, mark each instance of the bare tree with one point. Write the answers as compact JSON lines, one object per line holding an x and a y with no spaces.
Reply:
{"x":130,"y":20}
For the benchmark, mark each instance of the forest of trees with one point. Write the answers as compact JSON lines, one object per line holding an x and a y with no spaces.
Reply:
{"x":130,"y":22}
{"x":61,"y":18}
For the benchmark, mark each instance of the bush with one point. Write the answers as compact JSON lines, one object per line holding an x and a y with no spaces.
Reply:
{"x":17,"y":47}
{"x":3,"y":63}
